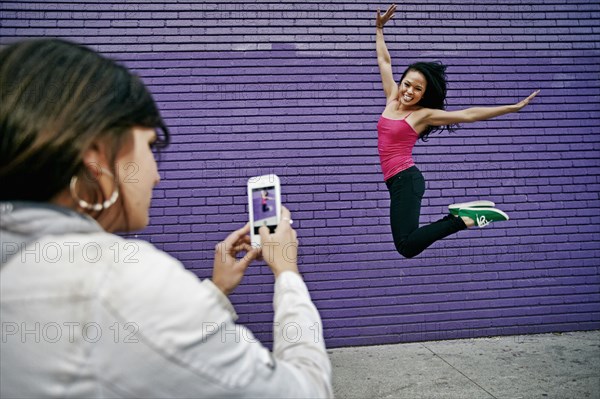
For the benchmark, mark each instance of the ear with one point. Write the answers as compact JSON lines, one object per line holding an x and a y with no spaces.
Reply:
{"x":96,"y":158}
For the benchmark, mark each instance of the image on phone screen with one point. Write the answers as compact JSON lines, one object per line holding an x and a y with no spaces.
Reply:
{"x":264,"y":208}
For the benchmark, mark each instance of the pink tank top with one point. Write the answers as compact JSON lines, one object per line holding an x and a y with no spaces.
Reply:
{"x":396,"y":139}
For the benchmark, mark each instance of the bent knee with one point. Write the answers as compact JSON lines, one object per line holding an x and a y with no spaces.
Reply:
{"x":406,"y":251}
{"x":408,"y":255}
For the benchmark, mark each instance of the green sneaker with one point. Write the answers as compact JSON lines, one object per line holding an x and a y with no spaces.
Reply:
{"x":454,"y":208}
{"x":483,"y":216}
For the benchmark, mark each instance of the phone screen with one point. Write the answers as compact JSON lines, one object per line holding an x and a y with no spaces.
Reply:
{"x":264,"y":208}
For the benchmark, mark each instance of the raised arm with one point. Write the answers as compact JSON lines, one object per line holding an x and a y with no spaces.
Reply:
{"x":437,"y":117}
{"x":383,"y":56}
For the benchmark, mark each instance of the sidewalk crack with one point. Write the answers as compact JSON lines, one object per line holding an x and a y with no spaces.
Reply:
{"x":458,"y":371}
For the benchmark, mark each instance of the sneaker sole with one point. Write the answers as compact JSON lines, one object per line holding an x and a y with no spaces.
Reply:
{"x":495,"y":210}
{"x":454,"y":208}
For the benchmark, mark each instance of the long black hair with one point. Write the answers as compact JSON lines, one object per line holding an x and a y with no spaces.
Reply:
{"x":435,"y":92}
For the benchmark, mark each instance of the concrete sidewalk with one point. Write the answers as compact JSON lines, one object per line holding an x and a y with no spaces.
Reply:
{"x":557,"y":366}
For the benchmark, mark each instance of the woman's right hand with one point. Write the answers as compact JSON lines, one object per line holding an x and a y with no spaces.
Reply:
{"x":280,"y":250}
{"x":389,"y":14}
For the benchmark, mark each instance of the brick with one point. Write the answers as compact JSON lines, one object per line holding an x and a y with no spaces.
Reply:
{"x":305,"y":105}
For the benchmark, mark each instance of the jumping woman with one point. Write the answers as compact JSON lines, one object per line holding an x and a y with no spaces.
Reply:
{"x":414,"y":109}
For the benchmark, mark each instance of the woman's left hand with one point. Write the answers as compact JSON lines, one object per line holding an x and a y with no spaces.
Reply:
{"x":523,"y":103}
{"x":227,"y":270}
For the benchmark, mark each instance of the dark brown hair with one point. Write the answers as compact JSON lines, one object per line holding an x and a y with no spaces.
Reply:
{"x":56,"y":99}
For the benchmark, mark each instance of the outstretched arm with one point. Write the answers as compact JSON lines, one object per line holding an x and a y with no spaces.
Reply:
{"x":438,"y":117}
{"x":383,"y":56}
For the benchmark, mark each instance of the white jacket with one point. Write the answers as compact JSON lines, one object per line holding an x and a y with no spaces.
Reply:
{"x":85,"y":313}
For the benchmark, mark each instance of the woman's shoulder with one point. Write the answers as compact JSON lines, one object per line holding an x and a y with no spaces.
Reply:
{"x":418,"y":114}
{"x":420,"y":110}
{"x":127,"y":255}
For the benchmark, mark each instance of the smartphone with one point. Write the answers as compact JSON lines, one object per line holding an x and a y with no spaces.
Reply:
{"x":264,"y":204}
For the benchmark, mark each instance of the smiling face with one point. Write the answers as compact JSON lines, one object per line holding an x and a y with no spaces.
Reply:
{"x":412,"y":88}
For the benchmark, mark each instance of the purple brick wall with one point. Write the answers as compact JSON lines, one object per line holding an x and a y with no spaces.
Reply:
{"x":293,"y":88}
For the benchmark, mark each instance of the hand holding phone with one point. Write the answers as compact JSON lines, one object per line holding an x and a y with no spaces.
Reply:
{"x":264,"y":205}
{"x":280,"y":250}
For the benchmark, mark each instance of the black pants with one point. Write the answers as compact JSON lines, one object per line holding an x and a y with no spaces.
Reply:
{"x":406,"y":191}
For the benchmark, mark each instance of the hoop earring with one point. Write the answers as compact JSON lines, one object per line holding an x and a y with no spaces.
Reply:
{"x":98,"y":206}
